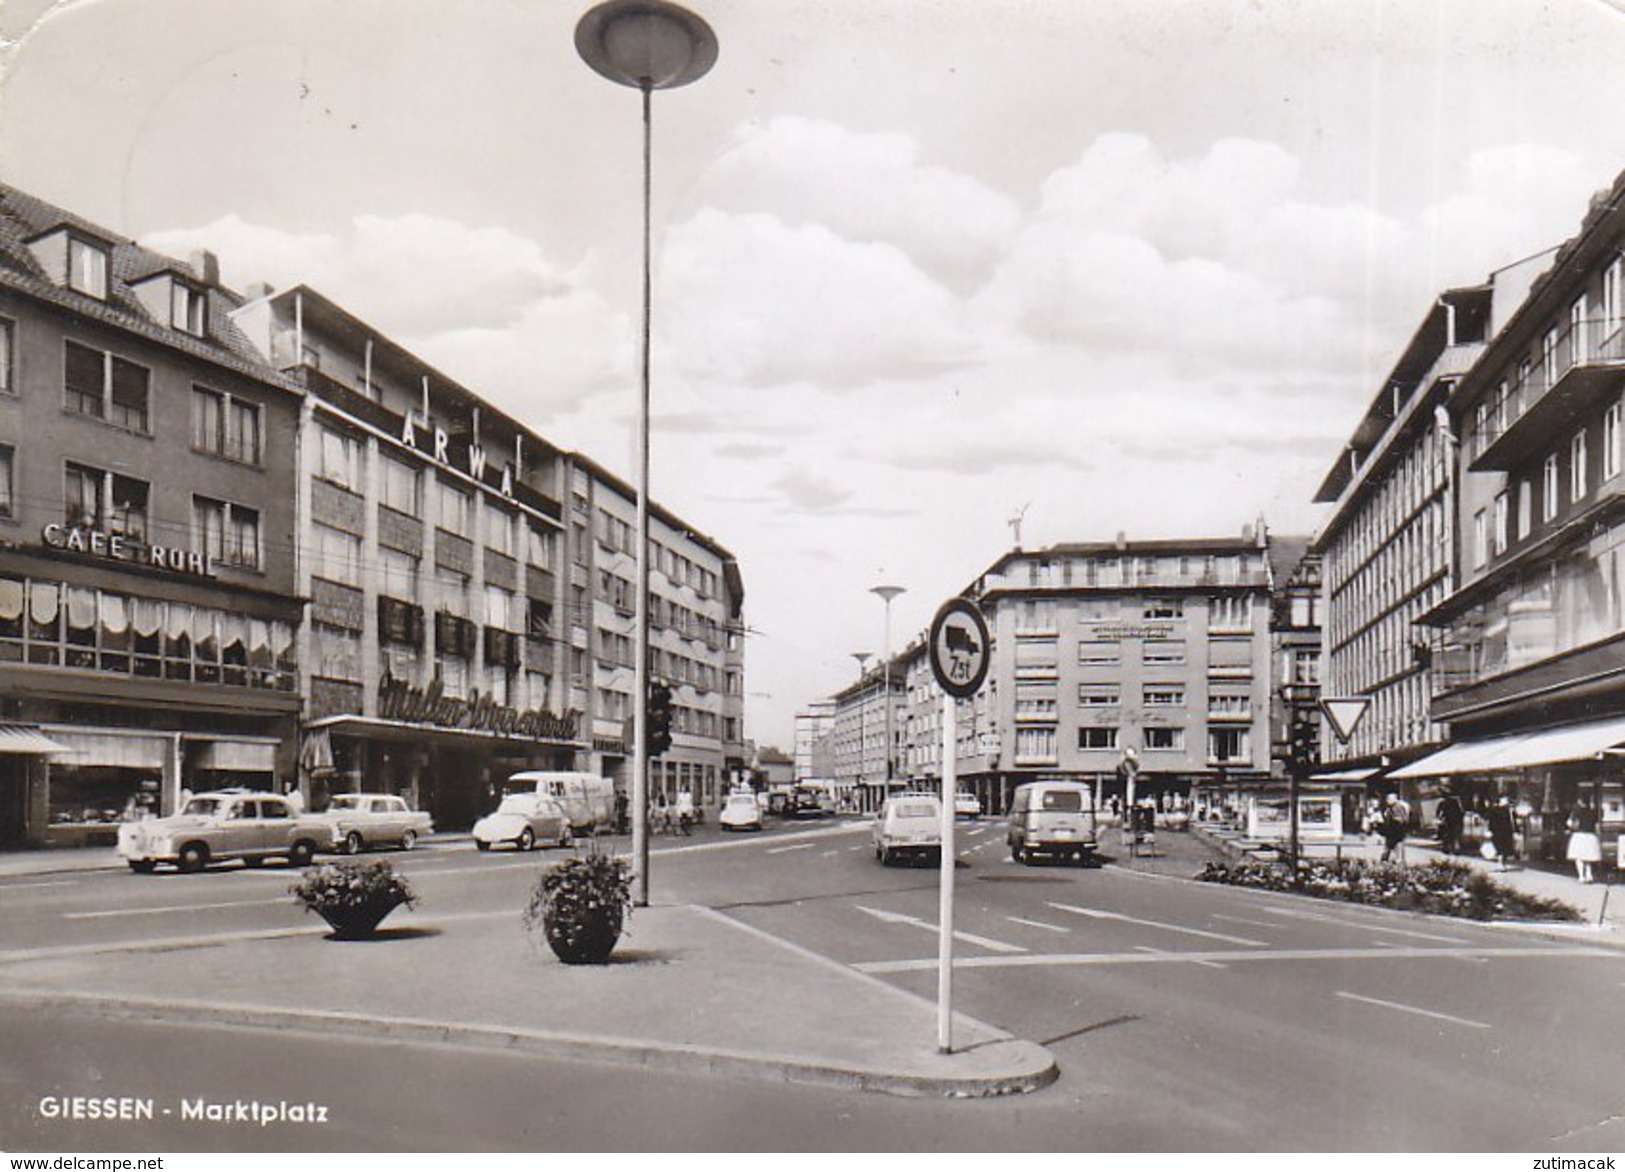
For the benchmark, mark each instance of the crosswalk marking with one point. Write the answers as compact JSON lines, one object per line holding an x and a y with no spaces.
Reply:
{"x":1207,"y":964}
{"x":1276,"y":956}
{"x":1038,"y":924}
{"x":915,"y":921}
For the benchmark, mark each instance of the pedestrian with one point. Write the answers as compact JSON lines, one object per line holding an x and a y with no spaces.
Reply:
{"x":1585,"y":848}
{"x":1503,"y":835}
{"x":1393,"y":826}
{"x":296,"y":800}
{"x":1451,"y":819}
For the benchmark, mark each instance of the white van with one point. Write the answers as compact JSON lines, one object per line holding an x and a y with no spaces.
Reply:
{"x":588,"y":800}
{"x":1052,"y":817}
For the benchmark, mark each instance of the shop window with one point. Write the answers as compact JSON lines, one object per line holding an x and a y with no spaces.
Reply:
{"x":79,"y":649}
{"x":148,"y":624}
{"x":115,"y":639}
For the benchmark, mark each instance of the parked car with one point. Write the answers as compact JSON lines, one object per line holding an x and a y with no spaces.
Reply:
{"x":358,"y":821}
{"x":524,"y":820}
{"x":1054,"y":818}
{"x":909,"y":826}
{"x":967,"y":805}
{"x":740,"y":812}
{"x":220,"y":825}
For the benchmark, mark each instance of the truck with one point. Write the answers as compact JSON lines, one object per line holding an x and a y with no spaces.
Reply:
{"x":588,"y":800}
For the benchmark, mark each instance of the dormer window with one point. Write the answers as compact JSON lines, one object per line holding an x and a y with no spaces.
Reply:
{"x":188,"y":309}
{"x":87,"y":268}
{"x":171,"y":300}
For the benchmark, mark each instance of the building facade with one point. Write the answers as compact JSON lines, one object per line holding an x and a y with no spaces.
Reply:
{"x":814,"y":747}
{"x":1527,"y":649}
{"x":150,"y":610}
{"x":1388,"y":547}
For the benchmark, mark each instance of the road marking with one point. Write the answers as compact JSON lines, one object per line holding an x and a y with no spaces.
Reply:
{"x":1038,"y":924}
{"x":1097,"y":914}
{"x":831,"y":854}
{"x":1299,"y":914}
{"x":794,"y":846}
{"x":52,"y":883}
{"x":1477,"y":1025}
{"x":178,"y":907}
{"x":968,"y":938}
{"x":1207,"y":964}
{"x":1088,"y":959}
{"x":1242,"y":920}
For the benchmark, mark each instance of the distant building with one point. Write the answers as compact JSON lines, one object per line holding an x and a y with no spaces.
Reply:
{"x":814,"y":749}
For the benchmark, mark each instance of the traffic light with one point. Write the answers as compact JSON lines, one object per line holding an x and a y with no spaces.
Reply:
{"x":1301,"y":741}
{"x":658,"y":722}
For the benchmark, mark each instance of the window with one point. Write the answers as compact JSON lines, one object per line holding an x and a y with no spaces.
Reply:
{"x":1035,"y":702}
{"x":1164,"y":739}
{"x":1577,"y":467}
{"x":1165,"y":651}
{"x":501,"y":609}
{"x":1163,"y":696}
{"x":1501,"y":522}
{"x":1236,"y":706}
{"x":8,"y":345}
{"x":1548,"y":488}
{"x":1548,"y":359}
{"x":8,"y":488}
{"x":499,"y":530}
{"x":1229,"y":746}
{"x":187,"y":309}
{"x":399,"y":574}
{"x":1230,"y":612}
{"x":1578,"y":342}
{"x":455,"y":508}
{"x":1611,"y":462}
{"x":1035,"y":746}
{"x":336,"y":653}
{"x":228,"y":533}
{"x":1163,"y":608}
{"x":336,"y":555}
{"x":1097,"y":738}
{"x":94,"y":499}
{"x":1095,"y":653}
{"x":1526,"y":492}
{"x":225,"y":426}
{"x":539,"y":546}
{"x":87,"y":268}
{"x":402,"y":486}
{"x":106,"y":387}
{"x":1097,"y":695}
{"x":338,"y":460}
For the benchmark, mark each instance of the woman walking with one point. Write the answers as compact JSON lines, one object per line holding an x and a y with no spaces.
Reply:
{"x":1502,"y":833}
{"x":1585,"y":848}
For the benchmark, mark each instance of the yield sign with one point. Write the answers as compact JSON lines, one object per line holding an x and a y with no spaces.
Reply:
{"x":1344,"y":712}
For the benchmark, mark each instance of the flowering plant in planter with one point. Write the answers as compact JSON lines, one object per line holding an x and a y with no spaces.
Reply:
{"x":352,"y":895}
{"x":579,"y":907}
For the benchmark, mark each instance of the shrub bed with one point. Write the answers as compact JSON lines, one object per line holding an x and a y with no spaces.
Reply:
{"x":1441,"y":887}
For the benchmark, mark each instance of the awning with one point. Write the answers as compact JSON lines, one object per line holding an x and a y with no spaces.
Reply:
{"x":1346,"y":775}
{"x":237,"y":755}
{"x":28,"y":740}
{"x":115,"y":750}
{"x":1574,"y":742}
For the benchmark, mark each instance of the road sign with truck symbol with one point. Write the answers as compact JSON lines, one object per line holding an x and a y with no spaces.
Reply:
{"x":959,"y":648}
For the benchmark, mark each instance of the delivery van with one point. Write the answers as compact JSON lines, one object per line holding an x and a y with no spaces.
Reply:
{"x":1053,"y":818}
{"x":588,"y":800}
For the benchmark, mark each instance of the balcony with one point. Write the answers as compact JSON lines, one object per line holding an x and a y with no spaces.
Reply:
{"x":1589,"y":368}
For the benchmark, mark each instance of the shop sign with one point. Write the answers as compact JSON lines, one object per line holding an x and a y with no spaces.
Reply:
{"x":442,"y":453}
{"x":119,"y":548}
{"x":398,"y":700}
{"x":1120,"y":631}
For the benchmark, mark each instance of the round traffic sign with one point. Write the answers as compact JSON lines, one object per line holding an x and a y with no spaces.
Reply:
{"x":959,"y":648}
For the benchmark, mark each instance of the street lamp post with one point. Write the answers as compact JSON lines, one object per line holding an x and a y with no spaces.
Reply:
{"x":886,"y":594}
{"x":863,"y":658}
{"x":648,"y":45}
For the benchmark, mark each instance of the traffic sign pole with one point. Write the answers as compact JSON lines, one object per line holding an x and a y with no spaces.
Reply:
{"x":945,"y":883}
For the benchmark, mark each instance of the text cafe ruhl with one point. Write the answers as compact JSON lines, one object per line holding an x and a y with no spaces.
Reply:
{"x":117,"y":547}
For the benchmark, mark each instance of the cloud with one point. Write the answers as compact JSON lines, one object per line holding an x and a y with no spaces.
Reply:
{"x":865,"y":188}
{"x":760,"y":302}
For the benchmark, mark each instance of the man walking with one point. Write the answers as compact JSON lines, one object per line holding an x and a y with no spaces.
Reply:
{"x":1451,"y":819}
{"x":1395,"y":824}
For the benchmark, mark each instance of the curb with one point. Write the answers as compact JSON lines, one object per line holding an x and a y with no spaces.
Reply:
{"x":1030,"y":1067}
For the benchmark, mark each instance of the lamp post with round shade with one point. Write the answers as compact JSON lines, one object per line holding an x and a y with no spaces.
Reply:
{"x":886,"y":594}
{"x":863,"y":658}
{"x":648,"y":45}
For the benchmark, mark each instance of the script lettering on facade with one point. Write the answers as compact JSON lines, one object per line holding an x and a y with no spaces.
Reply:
{"x":479,"y":712}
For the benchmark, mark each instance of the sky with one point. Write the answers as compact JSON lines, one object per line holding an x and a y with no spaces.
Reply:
{"x":920,"y":266}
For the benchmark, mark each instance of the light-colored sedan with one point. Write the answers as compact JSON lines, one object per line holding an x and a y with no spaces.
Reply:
{"x":740,"y":812}
{"x":360,"y":821}
{"x":525,"y":820}
{"x":909,"y":826}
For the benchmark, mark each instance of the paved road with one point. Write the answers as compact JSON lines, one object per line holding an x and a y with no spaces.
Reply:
{"x":1184,"y":1016}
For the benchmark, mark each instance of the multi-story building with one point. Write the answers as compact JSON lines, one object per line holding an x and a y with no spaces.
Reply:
{"x":150,"y":612}
{"x":1388,"y":547}
{"x":1527,"y":651}
{"x":814,"y":749}
{"x":463,"y":626}
{"x":858,"y":732}
{"x":1159,"y":650}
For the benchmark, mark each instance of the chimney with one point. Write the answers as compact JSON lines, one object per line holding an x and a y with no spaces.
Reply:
{"x":1122,"y":539}
{"x":207,"y":266}
{"x":1262,"y":531}
{"x":258,"y":291}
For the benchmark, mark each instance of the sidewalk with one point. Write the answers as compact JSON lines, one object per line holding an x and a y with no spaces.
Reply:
{"x":1601,"y":908}
{"x":687,"y":989}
